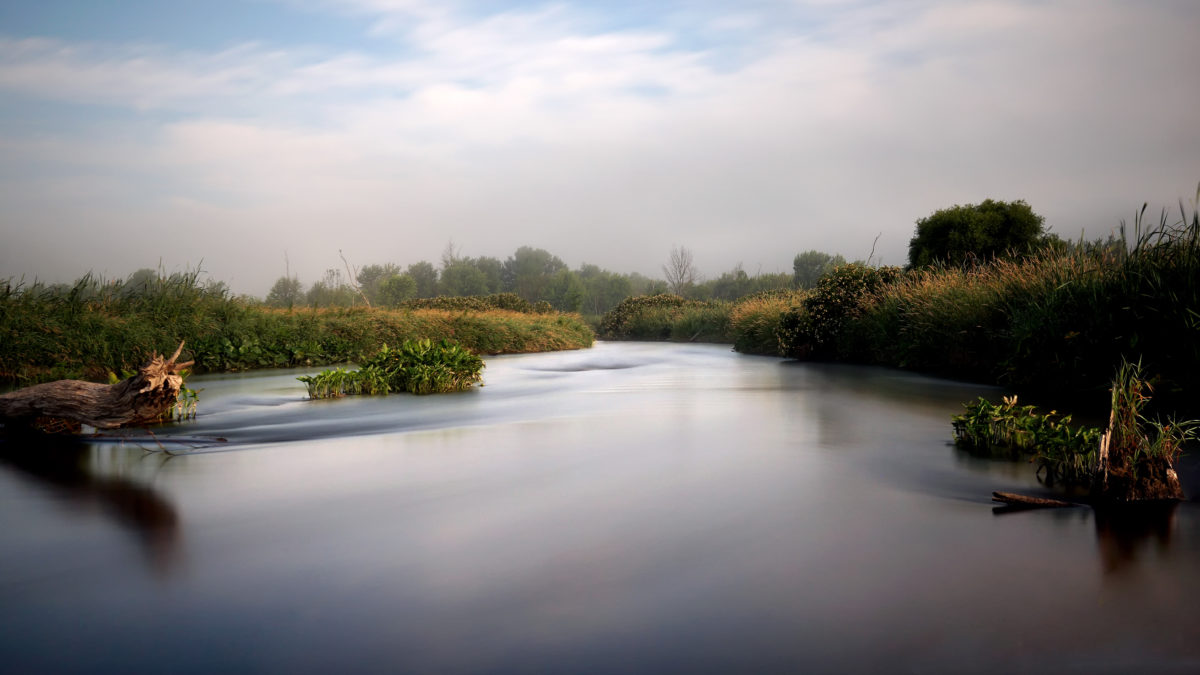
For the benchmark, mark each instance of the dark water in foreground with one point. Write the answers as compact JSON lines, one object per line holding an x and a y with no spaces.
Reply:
{"x":632,"y":508}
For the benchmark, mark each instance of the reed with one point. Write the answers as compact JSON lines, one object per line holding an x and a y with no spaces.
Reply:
{"x":94,"y":327}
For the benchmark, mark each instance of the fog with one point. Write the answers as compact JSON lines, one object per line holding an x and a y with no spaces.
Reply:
{"x":252,"y":136}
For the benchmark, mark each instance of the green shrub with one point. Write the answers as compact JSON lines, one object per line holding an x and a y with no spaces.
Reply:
{"x":667,"y":317}
{"x":417,"y":367}
{"x":814,"y":327}
{"x":755,"y":320}
{"x":475,"y":303}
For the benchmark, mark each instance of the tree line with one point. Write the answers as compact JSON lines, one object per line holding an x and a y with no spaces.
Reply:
{"x":536,"y":275}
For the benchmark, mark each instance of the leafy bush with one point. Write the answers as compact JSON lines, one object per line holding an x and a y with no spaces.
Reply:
{"x":981,"y":231}
{"x":477,"y":303}
{"x":755,"y":321}
{"x":417,"y":367}
{"x":667,"y":317}
{"x":814,"y":327}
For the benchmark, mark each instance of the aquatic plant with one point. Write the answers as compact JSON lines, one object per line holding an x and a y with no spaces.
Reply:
{"x":417,"y":367}
{"x":1132,"y":459}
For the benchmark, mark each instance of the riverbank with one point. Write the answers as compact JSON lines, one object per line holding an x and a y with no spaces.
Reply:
{"x":87,"y":335}
{"x":1059,"y":322}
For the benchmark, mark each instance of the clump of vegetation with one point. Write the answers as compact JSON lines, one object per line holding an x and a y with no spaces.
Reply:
{"x":984,"y":231}
{"x":1133,"y":459}
{"x":1060,"y":318}
{"x":814,"y":327}
{"x":94,"y":327}
{"x":1065,"y":453}
{"x":416,"y":367}
{"x":755,"y":321}
{"x":479,"y":303}
{"x":667,"y":317}
{"x":1137,"y":455}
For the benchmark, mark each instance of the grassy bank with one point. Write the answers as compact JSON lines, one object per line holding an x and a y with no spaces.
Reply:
{"x":667,"y":317}
{"x":1059,"y":321}
{"x":92,"y":329}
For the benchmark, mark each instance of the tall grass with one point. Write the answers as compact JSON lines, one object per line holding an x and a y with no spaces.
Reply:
{"x":755,"y":321}
{"x":667,"y":317}
{"x":93,"y":328}
{"x":1061,"y":320}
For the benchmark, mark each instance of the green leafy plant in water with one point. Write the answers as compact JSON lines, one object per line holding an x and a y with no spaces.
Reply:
{"x":1072,"y":455}
{"x":1062,"y":452}
{"x":417,"y":367}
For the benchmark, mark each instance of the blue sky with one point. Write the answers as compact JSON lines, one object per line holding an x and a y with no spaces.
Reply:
{"x":134,"y":134}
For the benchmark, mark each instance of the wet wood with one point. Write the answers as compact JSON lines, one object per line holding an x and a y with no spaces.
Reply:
{"x":65,"y":404}
{"x":1024,"y":501}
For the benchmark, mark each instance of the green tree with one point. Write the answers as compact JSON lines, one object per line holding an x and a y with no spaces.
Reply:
{"x":985,"y":231}
{"x":286,"y":292}
{"x":331,"y":291}
{"x":426,"y":276}
{"x":396,"y":289}
{"x":565,"y":291}
{"x":812,"y":265}
{"x":371,"y":276}
{"x":462,"y":278}
{"x":493,"y":271}
{"x":528,"y":272}
{"x":603,"y":289}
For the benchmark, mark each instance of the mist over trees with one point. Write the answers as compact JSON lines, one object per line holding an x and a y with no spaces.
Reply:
{"x":812,"y":265}
{"x":534,"y":274}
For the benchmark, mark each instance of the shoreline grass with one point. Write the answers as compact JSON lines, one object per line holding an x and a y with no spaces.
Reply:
{"x":90,"y":330}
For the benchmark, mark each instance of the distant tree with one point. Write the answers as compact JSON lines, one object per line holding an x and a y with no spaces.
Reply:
{"x":371,"y":276}
{"x":603,"y":289}
{"x":565,"y":291}
{"x":331,"y":291}
{"x":985,"y":231}
{"x":812,"y":265}
{"x":139,"y":282}
{"x":729,"y":286}
{"x":396,"y":289}
{"x":285,"y":293}
{"x":426,"y":276}
{"x":462,"y":278}
{"x":528,"y":272}
{"x":680,"y":270}
{"x":493,"y":271}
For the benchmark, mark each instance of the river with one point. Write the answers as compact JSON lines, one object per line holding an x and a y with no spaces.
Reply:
{"x":628,"y":508}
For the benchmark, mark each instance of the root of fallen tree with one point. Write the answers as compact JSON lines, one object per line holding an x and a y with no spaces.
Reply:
{"x":66,"y":404}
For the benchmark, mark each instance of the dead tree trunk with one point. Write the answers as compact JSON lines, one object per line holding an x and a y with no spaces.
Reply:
{"x":141,"y":399}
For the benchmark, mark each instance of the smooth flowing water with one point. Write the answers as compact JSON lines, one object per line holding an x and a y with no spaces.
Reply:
{"x":629,"y":508}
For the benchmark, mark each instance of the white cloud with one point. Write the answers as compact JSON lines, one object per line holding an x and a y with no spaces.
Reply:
{"x":610,"y":146}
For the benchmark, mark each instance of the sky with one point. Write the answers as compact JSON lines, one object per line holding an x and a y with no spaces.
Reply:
{"x":252,"y":138}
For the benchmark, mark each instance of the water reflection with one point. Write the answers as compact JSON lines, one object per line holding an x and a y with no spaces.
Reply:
{"x":1125,"y":532}
{"x":66,"y":469}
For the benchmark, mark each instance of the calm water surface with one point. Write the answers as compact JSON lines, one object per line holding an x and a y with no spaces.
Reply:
{"x":630,"y":508}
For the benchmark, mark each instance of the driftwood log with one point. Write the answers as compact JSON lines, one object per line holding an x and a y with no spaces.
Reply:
{"x":65,"y":404}
{"x":1017,"y":501}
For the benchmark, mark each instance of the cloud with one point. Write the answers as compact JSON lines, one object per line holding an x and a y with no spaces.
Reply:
{"x":611,"y":143}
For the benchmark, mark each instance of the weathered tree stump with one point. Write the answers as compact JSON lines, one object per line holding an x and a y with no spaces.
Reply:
{"x":65,"y":404}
